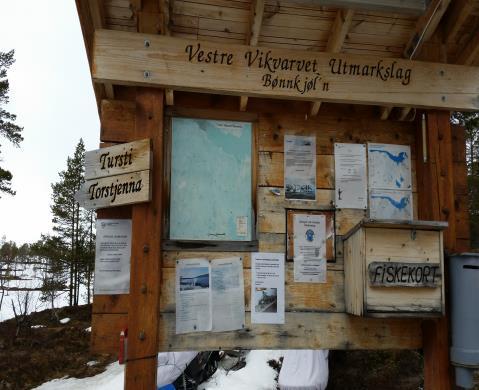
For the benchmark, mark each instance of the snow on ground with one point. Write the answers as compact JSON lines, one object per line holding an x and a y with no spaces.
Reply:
{"x":31,"y":275}
{"x":65,"y":320}
{"x":111,"y":379}
{"x":256,"y":375}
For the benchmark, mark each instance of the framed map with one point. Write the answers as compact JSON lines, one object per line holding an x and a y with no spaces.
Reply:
{"x":211,"y":180}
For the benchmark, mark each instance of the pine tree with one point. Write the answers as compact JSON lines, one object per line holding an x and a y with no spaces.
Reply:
{"x":470,"y":120}
{"x":71,"y":222}
{"x":8,"y":128}
{"x":50,"y":253}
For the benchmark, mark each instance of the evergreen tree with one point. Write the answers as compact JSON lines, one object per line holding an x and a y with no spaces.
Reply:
{"x":470,"y":120}
{"x":8,"y":128}
{"x":50,"y":253}
{"x":72,"y":223}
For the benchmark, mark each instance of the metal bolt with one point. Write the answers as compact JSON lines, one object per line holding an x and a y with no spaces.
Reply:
{"x":443,"y":98}
{"x":147,"y":43}
{"x":441,"y":73}
{"x":146,"y":74}
{"x":143,"y":288}
{"x":146,"y":248}
{"x":141,"y":335}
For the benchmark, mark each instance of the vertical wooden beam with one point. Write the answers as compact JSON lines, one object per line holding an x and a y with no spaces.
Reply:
{"x":252,"y":36}
{"x":455,"y":18}
{"x":436,"y":202}
{"x":340,"y":28}
{"x":470,"y":52}
{"x":425,"y":27}
{"x":165,"y":30}
{"x":145,"y":278}
{"x":98,"y":19}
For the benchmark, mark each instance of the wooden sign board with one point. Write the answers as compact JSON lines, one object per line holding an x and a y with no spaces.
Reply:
{"x":191,"y":65}
{"x":119,"y":159}
{"x":117,"y":175}
{"x":116,"y":190}
{"x":396,"y":274}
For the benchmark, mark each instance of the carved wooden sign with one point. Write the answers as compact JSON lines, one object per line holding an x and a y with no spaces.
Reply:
{"x":396,"y":274}
{"x":141,"y":59}
{"x":117,"y":175}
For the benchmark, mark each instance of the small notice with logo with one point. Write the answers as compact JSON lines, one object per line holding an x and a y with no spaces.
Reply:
{"x":309,"y":248}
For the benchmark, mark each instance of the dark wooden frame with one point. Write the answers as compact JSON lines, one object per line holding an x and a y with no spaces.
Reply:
{"x":210,"y":245}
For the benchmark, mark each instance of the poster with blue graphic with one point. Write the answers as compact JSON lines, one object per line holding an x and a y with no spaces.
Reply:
{"x":389,"y":166}
{"x":309,"y":248}
{"x":390,"y":204}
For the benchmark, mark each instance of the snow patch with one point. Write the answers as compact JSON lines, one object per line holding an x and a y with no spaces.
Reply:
{"x":91,"y":363}
{"x":111,"y":379}
{"x":88,"y":329}
{"x":256,"y":375}
{"x":65,"y":320}
{"x":37,"y":326}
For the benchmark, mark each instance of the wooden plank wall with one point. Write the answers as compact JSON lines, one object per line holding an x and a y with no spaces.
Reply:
{"x":316,"y":315}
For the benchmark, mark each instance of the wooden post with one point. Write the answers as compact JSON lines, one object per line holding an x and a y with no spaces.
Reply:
{"x":145,"y":278}
{"x":436,"y":202}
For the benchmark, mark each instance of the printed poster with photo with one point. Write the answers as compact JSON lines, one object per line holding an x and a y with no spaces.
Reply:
{"x":300,"y":167}
{"x":209,"y":295}
{"x":193,"y":298}
{"x":267,"y":288}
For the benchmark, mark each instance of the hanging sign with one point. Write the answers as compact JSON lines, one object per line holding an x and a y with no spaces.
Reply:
{"x":223,"y":68}
{"x":396,"y":274}
{"x":117,"y":175}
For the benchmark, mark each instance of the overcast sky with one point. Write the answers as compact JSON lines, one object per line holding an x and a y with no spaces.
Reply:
{"x":52,"y":96}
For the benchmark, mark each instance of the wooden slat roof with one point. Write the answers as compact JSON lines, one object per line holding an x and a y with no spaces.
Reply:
{"x":296,"y":24}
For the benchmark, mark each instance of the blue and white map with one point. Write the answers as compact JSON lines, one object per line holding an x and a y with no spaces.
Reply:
{"x":390,"y":204}
{"x":389,"y":166}
{"x":211,"y":180}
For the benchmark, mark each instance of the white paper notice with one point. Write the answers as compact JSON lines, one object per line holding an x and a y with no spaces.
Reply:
{"x":267,"y":288}
{"x":309,"y":248}
{"x":389,"y":167}
{"x":390,"y":204}
{"x":112,"y":256}
{"x":300,"y":167}
{"x":193,"y":299}
{"x":227,"y":294}
{"x":350,"y":176}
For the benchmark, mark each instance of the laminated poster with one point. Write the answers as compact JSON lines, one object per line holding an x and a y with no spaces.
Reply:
{"x":267,"y":288}
{"x":112,"y":256}
{"x":209,"y":295}
{"x":390,"y":204}
{"x":350,"y":176}
{"x":227,"y":294}
{"x":309,"y":248}
{"x":389,"y":166}
{"x":300,"y":167}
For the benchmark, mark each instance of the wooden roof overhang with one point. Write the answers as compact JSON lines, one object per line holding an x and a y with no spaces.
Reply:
{"x":345,"y":42}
